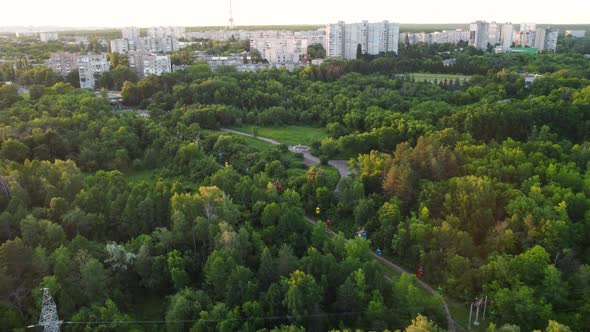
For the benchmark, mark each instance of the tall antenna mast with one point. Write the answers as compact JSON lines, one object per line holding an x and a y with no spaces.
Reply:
{"x":231,"y":16}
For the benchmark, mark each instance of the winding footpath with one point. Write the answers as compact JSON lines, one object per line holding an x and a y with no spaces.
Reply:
{"x":344,"y":170}
{"x":308,"y":158}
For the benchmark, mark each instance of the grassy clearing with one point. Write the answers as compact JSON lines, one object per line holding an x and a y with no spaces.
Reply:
{"x":439,"y":77}
{"x":291,"y":135}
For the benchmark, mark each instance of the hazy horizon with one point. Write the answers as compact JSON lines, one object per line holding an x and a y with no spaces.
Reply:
{"x":114,"y":14}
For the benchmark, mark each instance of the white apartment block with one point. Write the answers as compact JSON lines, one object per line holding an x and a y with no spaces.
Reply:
{"x":146,"y":63}
{"x":528,"y":27}
{"x":148,"y":44}
{"x":91,"y":65}
{"x":478,"y":34}
{"x":130,"y":32}
{"x":335,"y":40}
{"x":120,"y":46}
{"x":313,"y":37}
{"x":343,"y":40}
{"x":506,"y":35}
{"x":546,"y":39}
{"x":280,"y":50}
{"x":525,"y":38}
{"x":63,"y":63}
{"x":163,"y":32}
{"x":48,"y":36}
{"x":575,"y":33}
{"x":494,"y":31}
{"x":439,"y":37}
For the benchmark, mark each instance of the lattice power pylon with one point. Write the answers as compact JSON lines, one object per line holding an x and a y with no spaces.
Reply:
{"x":48,"y":318}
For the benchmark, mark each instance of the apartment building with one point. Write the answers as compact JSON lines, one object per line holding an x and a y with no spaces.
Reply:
{"x":146,"y":63}
{"x":63,"y":62}
{"x":163,"y":32}
{"x":280,"y":50}
{"x":479,"y":34}
{"x":48,"y":36}
{"x":343,"y":40}
{"x":148,"y":44}
{"x":91,"y":65}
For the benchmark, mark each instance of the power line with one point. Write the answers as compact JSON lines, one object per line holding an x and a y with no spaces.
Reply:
{"x":280,"y":317}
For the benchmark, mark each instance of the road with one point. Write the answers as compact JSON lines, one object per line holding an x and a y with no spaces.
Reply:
{"x":344,"y":170}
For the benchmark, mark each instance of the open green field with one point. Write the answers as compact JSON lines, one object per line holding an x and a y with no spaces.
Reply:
{"x":439,"y":77}
{"x":291,"y":135}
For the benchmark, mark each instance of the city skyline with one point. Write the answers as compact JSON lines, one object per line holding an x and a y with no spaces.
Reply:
{"x":113,"y":13}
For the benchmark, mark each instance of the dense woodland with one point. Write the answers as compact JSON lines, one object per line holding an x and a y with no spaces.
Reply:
{"x":126,"y":218}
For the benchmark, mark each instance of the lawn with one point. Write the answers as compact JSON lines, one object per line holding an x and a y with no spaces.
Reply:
{"x":291,"y":135}
{"x":440,"y":77}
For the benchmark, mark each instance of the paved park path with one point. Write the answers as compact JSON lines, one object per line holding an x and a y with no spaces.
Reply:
{"x":308,"y":158}
{"x":344,"y":170}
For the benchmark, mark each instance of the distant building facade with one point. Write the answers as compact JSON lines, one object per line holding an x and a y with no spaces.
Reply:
{"x":546,"y":39}
{"x":280,"y":50}
{"x":148,"y":44}
{"x":63,"y":62}
{"x":343,"y":40}
{"x":89,"y":66}
{"x":478,"y":34}
{"x":48,"y":36}
{"x":163,"y":32}
{"x":506,"y":34}
{"x":438,"y":37}
{"x":130,"y":32}
{"x":575,"y":33}
{"x":146,"y":63}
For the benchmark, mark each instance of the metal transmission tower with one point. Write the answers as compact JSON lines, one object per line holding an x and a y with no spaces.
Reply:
{"x":48,"y":318}
{"x":231,"y":16}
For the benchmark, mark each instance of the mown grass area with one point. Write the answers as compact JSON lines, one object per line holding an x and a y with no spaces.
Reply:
{"x":291,"y":135}
{"x":439,"y":77}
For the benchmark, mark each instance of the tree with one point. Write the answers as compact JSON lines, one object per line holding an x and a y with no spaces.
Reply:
{"x":303,"y":295}
{"x":422,"y":324}
{"x":36,"y":91}
{"x":94,"y":280}
{"x":217,"y":270}
{"x":473,"y":201}
{"x":316,"y":51}
{"x":130,"y":94}
{"x":15,"y":150}
{"x":359,"y":51}
{"x":42,"y":232}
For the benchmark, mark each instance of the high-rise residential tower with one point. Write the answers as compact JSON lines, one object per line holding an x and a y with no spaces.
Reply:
{"x":343,"y":40}
{"x":506,"y":35}
{"x":478,"y":34}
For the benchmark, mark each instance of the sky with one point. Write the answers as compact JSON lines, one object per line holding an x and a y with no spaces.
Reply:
{"x":143,"y":13}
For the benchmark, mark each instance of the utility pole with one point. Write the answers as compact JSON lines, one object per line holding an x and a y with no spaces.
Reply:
{"x":477,"y":304}
{"x":48,"y":318}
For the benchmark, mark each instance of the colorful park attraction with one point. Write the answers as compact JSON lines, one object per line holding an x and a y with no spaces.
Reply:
{"x":362,"y":233}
